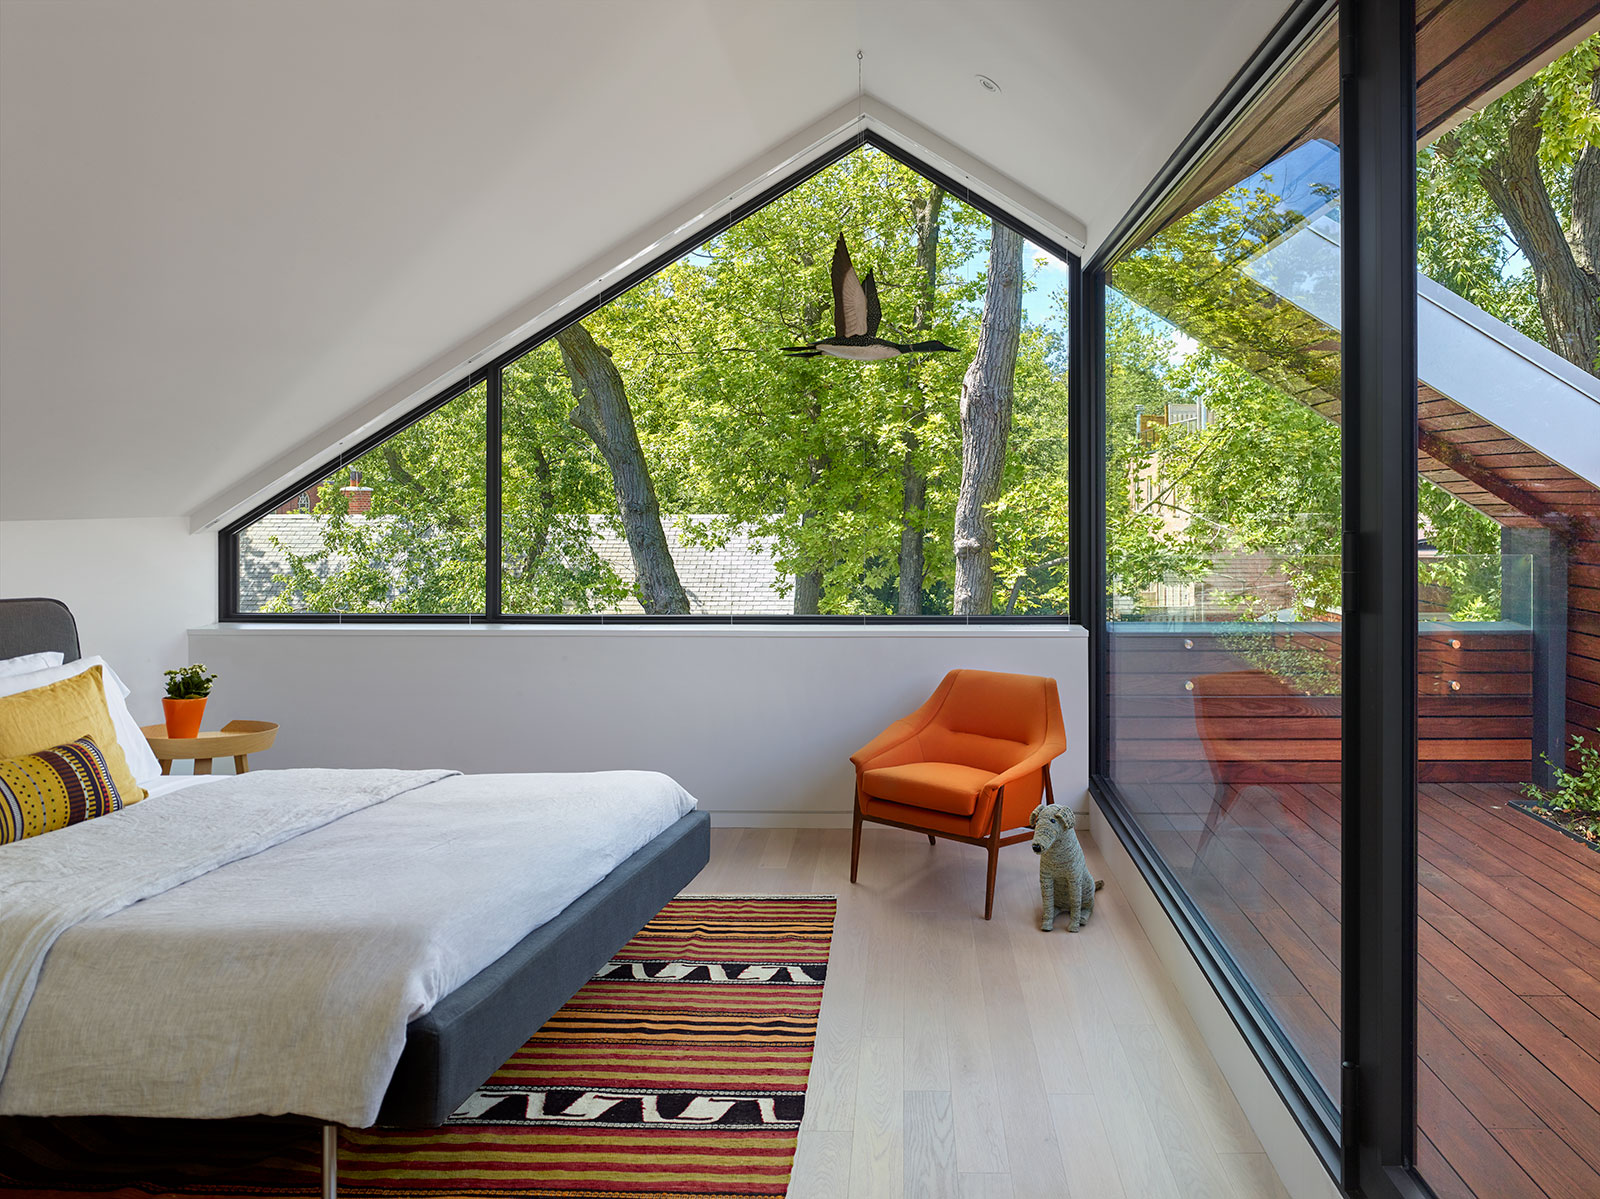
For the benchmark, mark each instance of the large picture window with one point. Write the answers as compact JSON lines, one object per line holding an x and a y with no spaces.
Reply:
{"x":852,"y":402}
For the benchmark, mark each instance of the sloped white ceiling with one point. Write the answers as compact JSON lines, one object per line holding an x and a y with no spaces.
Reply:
{"x":224,"y":224}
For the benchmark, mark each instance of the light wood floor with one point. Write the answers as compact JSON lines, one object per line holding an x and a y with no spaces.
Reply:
{"x":972,"y":1060}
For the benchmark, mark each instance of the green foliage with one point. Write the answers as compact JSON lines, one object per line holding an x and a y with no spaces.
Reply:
{"x":1468,"y":543}
{"x":421,"y":547}
{"x":1308,"y":669}
{"x":805,"y":454}
{"x":1575,"y":791}
{"x":1463,"y":241}
{"x":189,"y":682}
{"x":1568,"y":121}
{"x":1262,"y":476}
{"x":1140,"y":549}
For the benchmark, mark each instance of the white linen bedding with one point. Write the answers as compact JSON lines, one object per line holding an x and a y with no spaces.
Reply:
{"x":168,"y":783}
{"x":283,"y":981}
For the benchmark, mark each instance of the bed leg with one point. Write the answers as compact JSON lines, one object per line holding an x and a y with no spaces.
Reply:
{"x":330,"y":1161}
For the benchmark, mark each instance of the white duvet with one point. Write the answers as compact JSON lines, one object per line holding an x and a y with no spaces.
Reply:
{"x":282,"y":980}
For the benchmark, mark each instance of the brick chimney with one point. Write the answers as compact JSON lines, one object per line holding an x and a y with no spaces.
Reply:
{"x":358,"y":498}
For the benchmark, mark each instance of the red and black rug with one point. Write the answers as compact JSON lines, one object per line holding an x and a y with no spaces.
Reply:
{"x":679,"y":1070}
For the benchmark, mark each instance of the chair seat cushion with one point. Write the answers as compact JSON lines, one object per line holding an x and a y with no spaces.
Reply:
{"x":937,"y":786}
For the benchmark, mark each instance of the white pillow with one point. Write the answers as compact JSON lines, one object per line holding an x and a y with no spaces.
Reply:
{"x":135,"y":749}
{"x":28,"y":663}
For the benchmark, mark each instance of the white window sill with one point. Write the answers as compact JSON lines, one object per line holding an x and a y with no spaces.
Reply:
{"x":665,"y":628}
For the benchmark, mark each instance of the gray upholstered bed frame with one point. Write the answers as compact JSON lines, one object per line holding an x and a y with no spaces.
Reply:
{"x":37,"y":626}
{"x":451,"y":1050}
{"x":471,"y":1032}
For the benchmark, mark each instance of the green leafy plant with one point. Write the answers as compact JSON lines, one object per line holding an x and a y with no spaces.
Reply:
{"x":189,"y":682}
{"x":1574,"y":792}
{"x":1309,"y":669}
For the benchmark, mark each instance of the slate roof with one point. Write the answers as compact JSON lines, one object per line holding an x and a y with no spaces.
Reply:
{"x":261,"y":560}
{"x":737,"y":578}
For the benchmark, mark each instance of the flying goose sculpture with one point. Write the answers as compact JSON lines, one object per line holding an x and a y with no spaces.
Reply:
{"x":855,"y":320}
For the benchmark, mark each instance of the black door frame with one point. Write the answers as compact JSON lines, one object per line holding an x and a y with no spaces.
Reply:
{"x":1368,"y":1143}
{"x":1378,"y":140}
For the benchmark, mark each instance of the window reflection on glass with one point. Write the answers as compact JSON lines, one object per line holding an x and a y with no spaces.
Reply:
{"x":1508,"y":418}
{"x":1223,"y":540}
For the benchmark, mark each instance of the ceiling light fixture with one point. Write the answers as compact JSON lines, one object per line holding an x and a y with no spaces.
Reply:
{"x":989,"y":85}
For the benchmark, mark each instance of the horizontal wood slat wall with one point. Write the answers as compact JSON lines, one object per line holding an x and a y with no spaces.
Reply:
{"x":1196,"y":705}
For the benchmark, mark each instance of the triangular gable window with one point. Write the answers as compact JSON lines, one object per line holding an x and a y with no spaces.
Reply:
{"x":850,"y":402}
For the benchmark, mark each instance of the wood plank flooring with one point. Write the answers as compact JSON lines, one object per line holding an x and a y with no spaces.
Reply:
{"x":963,"y":1059}
{"x":1509,"y":977}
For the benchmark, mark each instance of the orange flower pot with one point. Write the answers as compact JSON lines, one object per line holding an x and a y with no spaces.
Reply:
{"x":183,"y":715}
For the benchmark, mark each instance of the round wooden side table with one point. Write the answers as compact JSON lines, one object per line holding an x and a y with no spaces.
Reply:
{"x":237,"y":739}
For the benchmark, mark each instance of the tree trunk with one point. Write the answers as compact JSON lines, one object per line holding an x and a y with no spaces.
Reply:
{"x":986,"y":423}
{"x":808,"y":592}
{"x":602,"y":412}
{"x":539,"y":537}
{"x":913,"y":483}
{"x":1563,"y":270}
{"x":808,"y":584}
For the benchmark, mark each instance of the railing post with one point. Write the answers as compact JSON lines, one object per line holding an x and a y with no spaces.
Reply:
{"x":1535,"y":594}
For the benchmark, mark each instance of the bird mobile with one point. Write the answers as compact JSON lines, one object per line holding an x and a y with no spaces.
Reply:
{"x":855,"y":320}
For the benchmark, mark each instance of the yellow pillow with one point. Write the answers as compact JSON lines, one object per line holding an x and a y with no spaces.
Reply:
{"x":59,"y":713}
{"x":54,"y":788}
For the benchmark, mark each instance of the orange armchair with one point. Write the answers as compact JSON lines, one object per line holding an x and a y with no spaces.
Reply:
{"x":969,"y":764}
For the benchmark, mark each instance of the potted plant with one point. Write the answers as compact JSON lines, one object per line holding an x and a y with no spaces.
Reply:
{"x":185,"y":702}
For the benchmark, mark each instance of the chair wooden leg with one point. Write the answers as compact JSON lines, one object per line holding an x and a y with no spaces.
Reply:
{"x":994,"y":853}
{"x":1049,"y":791}
{"x":855,"y":841}
{"x":988,"y":895}
{"x":1221,"y":800}
{"x":930,"y":839}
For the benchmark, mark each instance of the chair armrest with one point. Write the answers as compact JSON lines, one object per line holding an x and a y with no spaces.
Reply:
{"x":1048,"y":750}
{"x":896,"y":735}
{"x":1036,"y":760}
{"x":902,"y":730}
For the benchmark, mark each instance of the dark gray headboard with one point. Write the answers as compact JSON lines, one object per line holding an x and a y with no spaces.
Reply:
{"x":32,"y":626}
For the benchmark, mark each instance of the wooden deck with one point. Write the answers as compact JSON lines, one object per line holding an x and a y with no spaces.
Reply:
{"x":1509,"y":981}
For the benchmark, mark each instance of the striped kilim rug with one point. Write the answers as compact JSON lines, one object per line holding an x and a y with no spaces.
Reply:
{"x":679,"y":1070}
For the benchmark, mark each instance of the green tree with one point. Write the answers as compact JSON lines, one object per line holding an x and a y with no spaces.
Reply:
{"x":847,"y":473}
{"x":420,"y":549}
{"x":1533,"y":158}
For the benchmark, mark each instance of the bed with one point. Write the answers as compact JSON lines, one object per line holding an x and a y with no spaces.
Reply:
{"x":471,"y":1028}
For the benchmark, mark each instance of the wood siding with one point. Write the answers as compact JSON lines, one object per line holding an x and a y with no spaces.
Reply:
{"x":1188,"y":706}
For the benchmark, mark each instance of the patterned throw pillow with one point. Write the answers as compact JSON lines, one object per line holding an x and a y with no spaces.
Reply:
{"x":53,"y":788}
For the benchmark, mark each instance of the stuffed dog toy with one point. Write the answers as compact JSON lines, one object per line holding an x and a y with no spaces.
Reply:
{"x":1065,"y":883}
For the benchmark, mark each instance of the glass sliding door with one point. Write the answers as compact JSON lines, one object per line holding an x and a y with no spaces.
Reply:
{"x":1364,"y":786}
{"x":1508,"y":543}
{"x":1222,"y":496}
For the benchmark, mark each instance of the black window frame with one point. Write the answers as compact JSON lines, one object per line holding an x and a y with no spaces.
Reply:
{"x":1364,"y":1137}
{"x":490,"y":373}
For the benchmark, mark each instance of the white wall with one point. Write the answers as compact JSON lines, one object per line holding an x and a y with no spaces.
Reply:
{"x":135,"y":585}
{"x":758,"y":722}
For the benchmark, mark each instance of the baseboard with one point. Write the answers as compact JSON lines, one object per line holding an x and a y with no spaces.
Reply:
{"x":733,"y":818}
{"x":794,"y":818}
{"x":1292,"y":1155}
